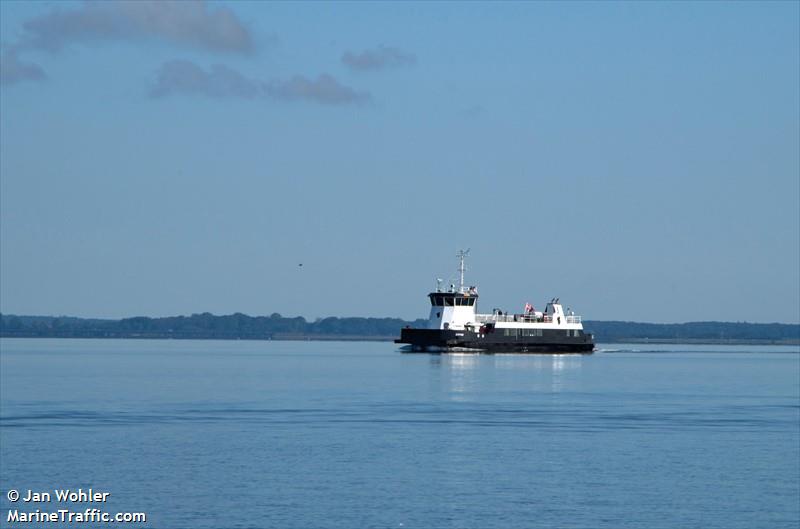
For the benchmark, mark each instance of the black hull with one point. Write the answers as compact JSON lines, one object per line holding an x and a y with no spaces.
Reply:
{"x":438,"y":340}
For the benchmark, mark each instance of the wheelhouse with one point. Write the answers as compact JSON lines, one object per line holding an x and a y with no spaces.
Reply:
{"x":452,"y":299}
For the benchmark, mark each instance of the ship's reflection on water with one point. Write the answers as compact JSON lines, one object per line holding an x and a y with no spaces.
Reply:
{"x":466,"y":375}
{"x":455,"y":373}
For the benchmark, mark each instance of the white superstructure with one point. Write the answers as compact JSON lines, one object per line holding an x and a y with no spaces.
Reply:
{"x":456,"y":309}
{"x":454,"y":324}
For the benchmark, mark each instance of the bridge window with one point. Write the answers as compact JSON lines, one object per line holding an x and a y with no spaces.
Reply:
{"x":452,"y":301}
{"x":437,"y":301}
{"x":465,"y":302}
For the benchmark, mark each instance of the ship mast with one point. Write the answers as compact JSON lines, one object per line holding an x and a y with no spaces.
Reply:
{"x":461,"y":268}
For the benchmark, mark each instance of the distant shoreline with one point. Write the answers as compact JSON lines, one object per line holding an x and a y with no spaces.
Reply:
{"x":356,"y":338}
{"x":239,"y":326}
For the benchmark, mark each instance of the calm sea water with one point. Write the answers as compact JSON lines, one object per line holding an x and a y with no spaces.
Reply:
{"x":208,"y":434}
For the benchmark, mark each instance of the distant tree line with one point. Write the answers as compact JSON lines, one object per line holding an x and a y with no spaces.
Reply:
{"x":205,"y":325}
{"x":241,"y":326}
{"x":710,"y":331}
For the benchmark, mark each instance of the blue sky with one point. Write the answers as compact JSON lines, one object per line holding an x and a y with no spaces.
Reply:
{"x":638,"y":160}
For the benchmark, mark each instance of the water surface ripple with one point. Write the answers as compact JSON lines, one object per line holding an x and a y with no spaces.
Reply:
{"x":202,"y":434}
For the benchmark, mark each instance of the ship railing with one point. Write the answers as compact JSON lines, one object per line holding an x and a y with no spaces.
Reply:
{"x":491,"y":318}
{"x":525,"y":318}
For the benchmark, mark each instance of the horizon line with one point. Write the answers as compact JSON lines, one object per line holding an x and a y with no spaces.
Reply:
{"x":3,"y":314}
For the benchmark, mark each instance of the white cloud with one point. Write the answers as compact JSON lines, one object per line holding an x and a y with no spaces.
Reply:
{"x":190,"y":23}
{"x":185,"y":77}
{"x":378,"y":59}
{"x":12,"y":70}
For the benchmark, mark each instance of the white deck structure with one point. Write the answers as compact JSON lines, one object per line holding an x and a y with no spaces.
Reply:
{"x":456,"y":309}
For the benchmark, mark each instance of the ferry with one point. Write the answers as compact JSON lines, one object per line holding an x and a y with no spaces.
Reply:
{"x":454,"y":325}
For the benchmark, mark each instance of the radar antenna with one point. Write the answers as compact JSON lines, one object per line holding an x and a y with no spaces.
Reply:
{"x":461,"y":268}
